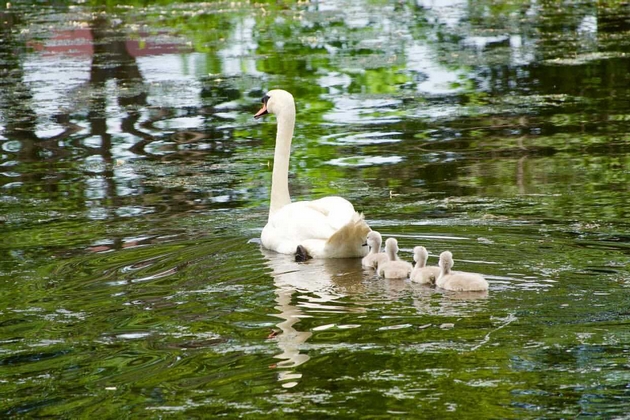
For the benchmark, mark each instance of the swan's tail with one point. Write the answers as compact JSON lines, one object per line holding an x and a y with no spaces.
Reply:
{"x":348,"y":241}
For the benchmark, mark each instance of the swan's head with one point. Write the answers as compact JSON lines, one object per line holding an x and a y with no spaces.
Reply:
{"x":276,"y":101}
{"x":374,"y":240}
{"x":446,"y":260}
{"x":420,"y":254}
{"x":391,"y":245}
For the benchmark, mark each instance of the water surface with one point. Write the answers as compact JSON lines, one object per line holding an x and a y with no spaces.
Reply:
{"x":134,"y":184}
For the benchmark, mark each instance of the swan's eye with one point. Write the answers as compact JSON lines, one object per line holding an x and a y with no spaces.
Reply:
{"x":265,"y":99}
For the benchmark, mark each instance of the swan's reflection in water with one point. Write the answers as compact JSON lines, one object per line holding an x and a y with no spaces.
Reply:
{"x":316,"y":285}
{"x":320,"y":288}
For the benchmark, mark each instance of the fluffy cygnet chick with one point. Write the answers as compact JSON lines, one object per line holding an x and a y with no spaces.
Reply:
{"x":421,"y":273}
{"x":458,"y":281}
{"x":375,"y":257}
{"x":393,"y":268}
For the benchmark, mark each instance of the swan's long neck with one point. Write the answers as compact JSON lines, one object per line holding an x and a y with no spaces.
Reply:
{"x":422,"y":260}
{"x":376,"y":248}
{"x":280,"y":179}
{"x":446,"y":269}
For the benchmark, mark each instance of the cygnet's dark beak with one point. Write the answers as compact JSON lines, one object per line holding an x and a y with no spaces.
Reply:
{"x":365,"y":244}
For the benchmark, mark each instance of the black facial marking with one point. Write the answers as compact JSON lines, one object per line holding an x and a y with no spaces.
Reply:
{"x":265,"y":99}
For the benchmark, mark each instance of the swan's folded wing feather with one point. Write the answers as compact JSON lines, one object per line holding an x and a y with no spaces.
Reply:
{"x":299,"y":222}
{"x":337,"y":210}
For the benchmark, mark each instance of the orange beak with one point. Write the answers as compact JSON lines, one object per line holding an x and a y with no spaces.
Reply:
{"x":262,"y":111}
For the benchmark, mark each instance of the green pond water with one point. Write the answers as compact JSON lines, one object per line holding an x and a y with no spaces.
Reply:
{"x":134,"y":185}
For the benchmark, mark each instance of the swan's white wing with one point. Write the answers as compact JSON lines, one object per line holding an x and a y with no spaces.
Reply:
{"x":303,"y":221}
{"x":338,"y":211}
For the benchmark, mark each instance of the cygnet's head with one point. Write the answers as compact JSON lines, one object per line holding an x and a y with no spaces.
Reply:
{"x":374,"y":240}
{"x":391,"y":245}
{"x":276,"y":101}
{"x":446,"y":260}
{"x":420,"y":254}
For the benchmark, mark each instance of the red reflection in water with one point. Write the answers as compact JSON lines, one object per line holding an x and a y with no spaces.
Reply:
{"x":80,"y":42}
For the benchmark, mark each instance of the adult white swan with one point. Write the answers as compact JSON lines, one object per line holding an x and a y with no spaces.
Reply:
{"x":324,"y":228}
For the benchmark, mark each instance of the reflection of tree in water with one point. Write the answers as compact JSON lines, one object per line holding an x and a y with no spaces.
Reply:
{"x":15,"y":96}
{"x":493,"y":74}
{"x":16,"y":103}
{"x":61,"y":168}
{"x":112,"y":61}
{"x":28,"y":155}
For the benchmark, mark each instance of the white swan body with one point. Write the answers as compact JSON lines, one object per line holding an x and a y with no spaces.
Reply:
{"x":421,"y":272}
{"x":393,"y":268}
{"x":458,"y":281}
{"x":324,"y":228}
{"x":375,"y":256}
